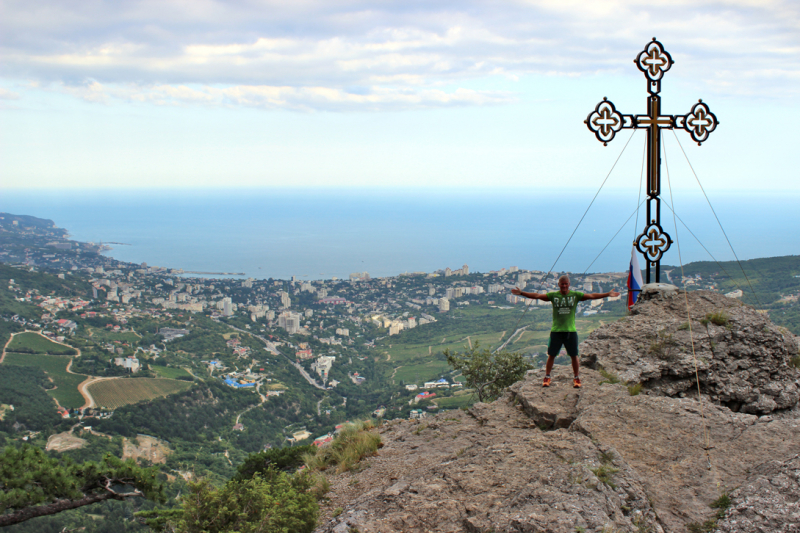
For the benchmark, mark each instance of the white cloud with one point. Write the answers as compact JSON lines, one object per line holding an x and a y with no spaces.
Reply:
{"x":5,"y":94}
{"x":286,"y":97}
{"x":307,"y":54}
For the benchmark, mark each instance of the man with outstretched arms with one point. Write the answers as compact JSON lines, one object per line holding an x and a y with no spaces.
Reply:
{"x":563,"y":332}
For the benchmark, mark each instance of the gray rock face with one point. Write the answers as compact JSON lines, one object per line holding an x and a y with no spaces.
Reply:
{"x":742,"y":360}
{"x":768,"y":502}
{"x":624,"y":463}
{"x":490,"y":470}
{"x":597,"y":459}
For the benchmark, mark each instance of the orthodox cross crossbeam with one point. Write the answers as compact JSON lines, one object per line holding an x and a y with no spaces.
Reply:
{"x":605,"y":121}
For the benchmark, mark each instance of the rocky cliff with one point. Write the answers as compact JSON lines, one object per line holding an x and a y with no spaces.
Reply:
{"x":600,"y":459}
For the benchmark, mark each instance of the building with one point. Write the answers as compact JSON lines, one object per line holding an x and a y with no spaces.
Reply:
{"x":289,"y":321}
{"x":444,"y":305}
{"x":286,"y":302}
{"x":323,"y":365}
{"x":333,"y":300}
{"x":130,"y":363}
{"x":227,"y":307}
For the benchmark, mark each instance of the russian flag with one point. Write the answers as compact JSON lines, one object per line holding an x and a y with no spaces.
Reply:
{"x":634,"y":279}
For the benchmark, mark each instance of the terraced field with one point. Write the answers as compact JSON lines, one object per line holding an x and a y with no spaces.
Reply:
{"x":66,"y":391}
{"x":34,"y":343}
{"x":115,"y":393}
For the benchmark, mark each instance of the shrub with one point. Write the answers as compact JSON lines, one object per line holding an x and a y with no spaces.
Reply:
{"x":634,"y":390}
{"x":287,"y":459}
{"x":254,"y":505}
{"x":353,"y":443}
{"x":486,"y":372}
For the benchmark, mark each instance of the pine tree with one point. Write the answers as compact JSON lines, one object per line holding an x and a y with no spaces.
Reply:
{"x":33,"y":484}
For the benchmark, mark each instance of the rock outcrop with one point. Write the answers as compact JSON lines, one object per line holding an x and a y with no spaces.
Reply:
{"x":742,"y":359}
{"x":768,"y":502}
{"x":601,"y":459}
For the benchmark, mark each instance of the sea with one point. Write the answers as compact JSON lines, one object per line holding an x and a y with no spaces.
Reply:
{"x":312,"y":234}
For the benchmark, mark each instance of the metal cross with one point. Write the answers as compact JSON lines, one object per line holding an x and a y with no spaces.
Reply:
{"x":605,"y":121}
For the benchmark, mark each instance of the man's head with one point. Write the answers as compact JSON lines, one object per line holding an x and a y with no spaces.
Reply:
{"x":563,"y":284}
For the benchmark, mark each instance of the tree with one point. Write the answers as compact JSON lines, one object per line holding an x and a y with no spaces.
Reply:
{"x":274,"y":503}
{"x":488,"y":373}
{"x":33,"y":484}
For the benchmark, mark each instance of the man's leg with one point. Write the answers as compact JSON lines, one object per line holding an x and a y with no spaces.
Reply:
{"x":549,"y":366}
{"x":571,"y":344}
{"x":553,"y":347}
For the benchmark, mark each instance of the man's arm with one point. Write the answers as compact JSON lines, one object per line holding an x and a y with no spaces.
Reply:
{"x":599,"y":295}
{"x":531,"y":295}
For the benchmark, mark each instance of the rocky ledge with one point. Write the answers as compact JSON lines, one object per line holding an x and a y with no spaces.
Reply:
{"x":603,"y":458}
{"x":742,"y":359}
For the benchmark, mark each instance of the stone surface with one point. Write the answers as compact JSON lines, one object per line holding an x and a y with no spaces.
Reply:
{"x":744,"y":364}
{"x":768,"y":502}
{"x":598,"y":459}
{"x":489,"y":470}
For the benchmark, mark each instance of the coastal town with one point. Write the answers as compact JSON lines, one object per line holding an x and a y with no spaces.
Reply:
{"x":276,"y":335}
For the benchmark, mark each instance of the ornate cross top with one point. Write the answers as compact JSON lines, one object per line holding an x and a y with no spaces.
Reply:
{"x":605,"y":121}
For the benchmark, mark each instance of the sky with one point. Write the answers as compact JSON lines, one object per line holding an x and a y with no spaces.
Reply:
{"x":391,"y":94}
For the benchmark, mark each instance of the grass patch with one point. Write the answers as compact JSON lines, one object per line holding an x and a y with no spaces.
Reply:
{"x":609,"y":377}
{"x":115,"y":393}
{"x":604,"y":473}
{"x":720,"y":318}
{"x":100,"y":334}
{"x":635,"y":390}
{"x":353,"y":443}
{"x":606,"y":470}
{"x":33,"y":343}
{"x":170,"y":372}
{"x":662,"y":346}
{"x":795,"y":361}
{"x":721,"y":504}
{"x":455,"y":402}
{"x":421,"y":372}
{"x":55,"y":366}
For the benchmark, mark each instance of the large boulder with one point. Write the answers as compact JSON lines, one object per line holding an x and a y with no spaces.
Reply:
{"x":671,"y":340}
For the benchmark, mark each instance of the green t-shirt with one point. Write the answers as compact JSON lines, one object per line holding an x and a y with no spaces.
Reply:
{"x":564,"y":309}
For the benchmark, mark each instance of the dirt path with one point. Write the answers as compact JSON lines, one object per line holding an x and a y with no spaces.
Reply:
{"x":3,"y":355}
{"x":83,"y":388}
{"x":519,"y":330}
{"x":395,"y":372}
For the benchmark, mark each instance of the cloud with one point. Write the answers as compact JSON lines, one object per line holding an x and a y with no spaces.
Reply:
{"x":306,"y":54}
{"x":285,"y":97}
{"x":5,"y":94}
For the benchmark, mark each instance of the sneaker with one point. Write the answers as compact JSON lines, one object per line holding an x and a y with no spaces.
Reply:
{"x":576,"y":382}
{"x":546,"y":382}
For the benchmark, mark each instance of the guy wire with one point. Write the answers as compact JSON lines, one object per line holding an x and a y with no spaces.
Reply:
{"x":688,"y":313}
{"x":704,"y":247}
{"x":541,"y":281}
{"x":718,"y":221}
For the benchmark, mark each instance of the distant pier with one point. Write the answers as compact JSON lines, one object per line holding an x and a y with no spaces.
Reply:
{"x":213,"y":273}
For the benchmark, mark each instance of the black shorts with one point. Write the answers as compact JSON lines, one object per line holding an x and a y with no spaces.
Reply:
{"x":567,"y":339}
